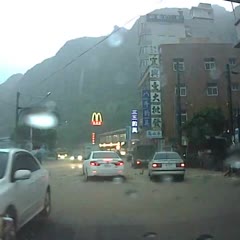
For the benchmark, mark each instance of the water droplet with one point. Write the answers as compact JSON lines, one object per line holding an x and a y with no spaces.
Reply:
{"x":167,"y":179}
{"x":51,"y":105}
{"x":150,"y":235}
{"x":118,"y":180}
{"x":132,"y":193}
{"x":215,"y":74}
{"x":205,"y":237}
{"x":115,"y":40}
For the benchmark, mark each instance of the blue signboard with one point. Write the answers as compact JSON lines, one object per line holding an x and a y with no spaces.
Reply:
{"x":146,"y":106}
{"x":134,"y":121}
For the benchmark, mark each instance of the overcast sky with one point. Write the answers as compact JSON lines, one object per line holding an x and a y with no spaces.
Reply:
{"x":33,"y":30}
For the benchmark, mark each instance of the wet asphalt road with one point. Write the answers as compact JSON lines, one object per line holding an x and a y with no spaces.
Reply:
{"x":205,"y":202}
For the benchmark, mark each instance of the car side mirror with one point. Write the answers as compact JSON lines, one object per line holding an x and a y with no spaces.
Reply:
{"x":22,"y":175}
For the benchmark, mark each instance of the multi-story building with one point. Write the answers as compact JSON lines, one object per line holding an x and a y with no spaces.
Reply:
{"x":160,"y":27}
{"x":202,"y":72}
{"x":189,"y":33}
{"x":156,"y":28}
{"x":236,"y":13}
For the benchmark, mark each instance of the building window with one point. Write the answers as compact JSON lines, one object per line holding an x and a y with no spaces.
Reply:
{"x":232,"y":61}
{"x":153,"y":50}
{"x":184,"y":117}
{"x":183,"y":91}
{"x":235,"y":87}
{"x":212,"y":90}
{"x":143,"y":50}
{"x":144,"y":63}
{"x":209,"y":64}
{"x":180,"y":62}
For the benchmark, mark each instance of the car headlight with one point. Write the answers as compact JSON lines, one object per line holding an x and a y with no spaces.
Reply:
{"x":59,"y":155}
{"x":80,"y":157}
{"x":65,"y":155}
{"x":72,"y":158}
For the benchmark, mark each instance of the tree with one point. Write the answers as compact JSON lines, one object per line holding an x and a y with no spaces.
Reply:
{"x":208,"y":122}
{"x":21,"y":135}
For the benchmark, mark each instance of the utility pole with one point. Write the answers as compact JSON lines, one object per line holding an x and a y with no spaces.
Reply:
{"x":17,"y":108}
{"x":179,"y":108}
{"x":238,"y":124}
{"x":230,"y":107}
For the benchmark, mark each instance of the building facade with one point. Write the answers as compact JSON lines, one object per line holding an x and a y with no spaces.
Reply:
{"x":203,"y":83}
{"x":236,"y":12}
{"x":161,"y":27}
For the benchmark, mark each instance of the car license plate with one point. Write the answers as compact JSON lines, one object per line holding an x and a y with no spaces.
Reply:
{"x":169,"y":165}
{"x":107,"y":165}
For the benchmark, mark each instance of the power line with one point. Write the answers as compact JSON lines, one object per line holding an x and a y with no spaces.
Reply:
{"x":87,"y":50}
{"x":77,"y":57}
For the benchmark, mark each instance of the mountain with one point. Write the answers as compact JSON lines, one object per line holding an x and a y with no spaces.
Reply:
{"x":103,"y":79}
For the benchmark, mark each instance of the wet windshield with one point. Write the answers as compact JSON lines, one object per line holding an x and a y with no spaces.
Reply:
{"x":166,"y":156}
{"x":3,"y":163}
{"x":105,"y":93}
{"x":104,"y":155}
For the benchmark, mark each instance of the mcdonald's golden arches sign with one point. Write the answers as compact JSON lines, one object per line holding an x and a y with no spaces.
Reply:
{"x":97,"y":119}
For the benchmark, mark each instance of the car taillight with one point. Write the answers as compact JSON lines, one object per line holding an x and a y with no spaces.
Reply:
{"x":180,"y":165}
{"x":138,"y":162}
{"x":94,"y":164}
{"x":120,"y":163}
{"x":156,"y":165}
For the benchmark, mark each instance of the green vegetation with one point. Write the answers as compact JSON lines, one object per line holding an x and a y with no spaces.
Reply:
{"x":208,"y":122}
{"x":21,"y":135}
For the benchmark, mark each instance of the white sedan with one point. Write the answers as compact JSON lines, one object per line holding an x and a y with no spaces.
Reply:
{"x":103,"y":163}
{"x":24,"y":191}
{"x":167,"y":163}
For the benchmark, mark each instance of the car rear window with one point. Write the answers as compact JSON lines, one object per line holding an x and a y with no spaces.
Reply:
{"x":3,"y":163}
{"x":105,"y":155}
{"x":163,"y":155}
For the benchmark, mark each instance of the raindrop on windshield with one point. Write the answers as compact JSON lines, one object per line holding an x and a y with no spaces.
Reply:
{"x":51,"y":105}
{"x":150,"y":235}
{"x":132,"y":193}
{"x":118,"y":180}
{"x":205,"y":237}
{"x":116,"y":39}
{"x":215,"y":74}
{"x":167,"y":179}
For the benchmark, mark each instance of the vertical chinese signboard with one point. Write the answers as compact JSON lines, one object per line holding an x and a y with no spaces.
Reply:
{"x":146,"y":107}
{"x":134,"y":121}
{"x":155,"y":101}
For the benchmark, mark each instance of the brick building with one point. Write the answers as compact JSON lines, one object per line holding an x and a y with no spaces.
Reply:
{"x":202,"y":77}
